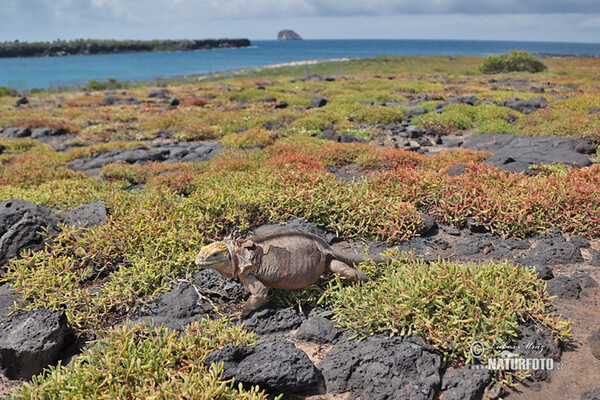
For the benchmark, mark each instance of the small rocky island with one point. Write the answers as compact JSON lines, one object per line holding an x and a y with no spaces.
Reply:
{"x":288,"y":34}
{"x":90,"y":46}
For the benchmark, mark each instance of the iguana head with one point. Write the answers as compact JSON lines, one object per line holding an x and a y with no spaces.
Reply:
{"x":217,"y":256}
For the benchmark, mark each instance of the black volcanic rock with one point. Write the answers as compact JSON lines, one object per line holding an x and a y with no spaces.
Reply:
{"x":273,"y":363}
{"x":317,"y":102}
{"x":21,"y":227}
{"x":30,"y":340}
{"x":16,"y":132}
{"x":517,"y":153}
{"x":170,"y":152}
{"x":381,"y":367}
{"x":288,"y":34}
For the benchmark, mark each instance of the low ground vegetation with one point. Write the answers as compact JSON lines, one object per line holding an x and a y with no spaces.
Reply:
{"x":278,"y":168}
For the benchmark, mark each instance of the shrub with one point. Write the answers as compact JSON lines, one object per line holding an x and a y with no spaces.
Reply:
{"x":516,"y":61}
{"x":94,"y":84}
{"x":111,"y":83}
{"x":4,"y":91}
{"x":451,"y":305}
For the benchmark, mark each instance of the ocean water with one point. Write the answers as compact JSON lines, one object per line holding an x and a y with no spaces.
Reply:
{"x":45,"y":72}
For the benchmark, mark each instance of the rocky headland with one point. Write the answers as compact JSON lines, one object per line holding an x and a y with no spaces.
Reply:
{"x":87,"y":47}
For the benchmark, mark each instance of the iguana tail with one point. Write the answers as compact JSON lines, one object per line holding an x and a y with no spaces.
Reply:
{"x":354,"y":259}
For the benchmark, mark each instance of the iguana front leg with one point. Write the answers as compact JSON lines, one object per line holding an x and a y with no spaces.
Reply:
{"x":258,"y":294}
{"x":347,"y":272}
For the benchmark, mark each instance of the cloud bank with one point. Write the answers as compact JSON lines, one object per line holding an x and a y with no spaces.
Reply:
{"x":553,"y":20}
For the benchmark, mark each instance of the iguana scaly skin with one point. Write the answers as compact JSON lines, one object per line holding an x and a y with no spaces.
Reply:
{"x":291,"y":259}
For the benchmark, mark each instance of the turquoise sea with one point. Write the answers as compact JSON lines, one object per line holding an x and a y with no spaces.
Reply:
{"x":44,"y":72}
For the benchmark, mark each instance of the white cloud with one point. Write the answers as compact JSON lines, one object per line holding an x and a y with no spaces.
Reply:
{"x":261,"y":19}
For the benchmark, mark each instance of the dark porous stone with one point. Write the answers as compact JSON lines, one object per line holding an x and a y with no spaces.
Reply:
{"x":465,"y":383}
{"x":554,"y":250}
{"x":330,"y":134}
{"x":87,"y":215}
{"x":212,"y":285}
{"x":449,"y":230}
{"x":41,"y":132}
{"x":415,"y":132}
{"x":115,"y":101}
{"x":159,"y":93}
{"x":182,"y":305}
{"x":526,"y":151}
{"x":595,"y":260}
{"x":594,"y":110}
{"x":176,"y":308}
{"x":563,"y":287}
{"x":270,"y":319}
{"x":274,"y":364}
{"x":441,"y":243}
{"x":21,"y":227}
{"x":422,"y":248}
{"x":469,"y":248}
{"x":526,"y":106}
{"x":16,"y":132}
{"x":317,"y":102}
{"x":429,"y":225}
{"x":424,"y":142}
{"x":586,"y":146}
{"x":475,"y":227}
{"x":22,"y":101}
{"x":453,"y":142}
{"x":412,"y":112}
{"x":381,"y":367}
{"x":580,"y":242}
{"x":514,"y":244}
{"x":585,"y":280}
{"x":593,"y":394}
{"x":30,"y":341}
{"x":174,"y":102}
{"x":470,"y":100}
{"x":318,"y":78}
{"x":281,"y":104}
{"x":269,"y":99}
{"x":594,"y":341}
{"x":317,"y":330}
{"x":8,"y":296}
{"x":170,"y":152}
{"x":544,"y":272}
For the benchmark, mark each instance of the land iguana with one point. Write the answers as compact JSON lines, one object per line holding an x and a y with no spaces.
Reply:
{"x":291,"y":259}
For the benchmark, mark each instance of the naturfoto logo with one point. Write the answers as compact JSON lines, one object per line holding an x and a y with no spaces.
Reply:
{"x":508,"y":360}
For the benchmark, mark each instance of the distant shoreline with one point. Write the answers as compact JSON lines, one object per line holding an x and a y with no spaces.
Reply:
{"x":241,"y":71}
{"x":88,"y":47}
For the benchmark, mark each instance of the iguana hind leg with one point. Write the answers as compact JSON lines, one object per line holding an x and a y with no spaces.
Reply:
{"x":347,"y":272}
{"x":258,"y":294}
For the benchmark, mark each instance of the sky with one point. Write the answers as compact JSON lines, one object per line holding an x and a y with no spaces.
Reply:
{"x":526,"y":20}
